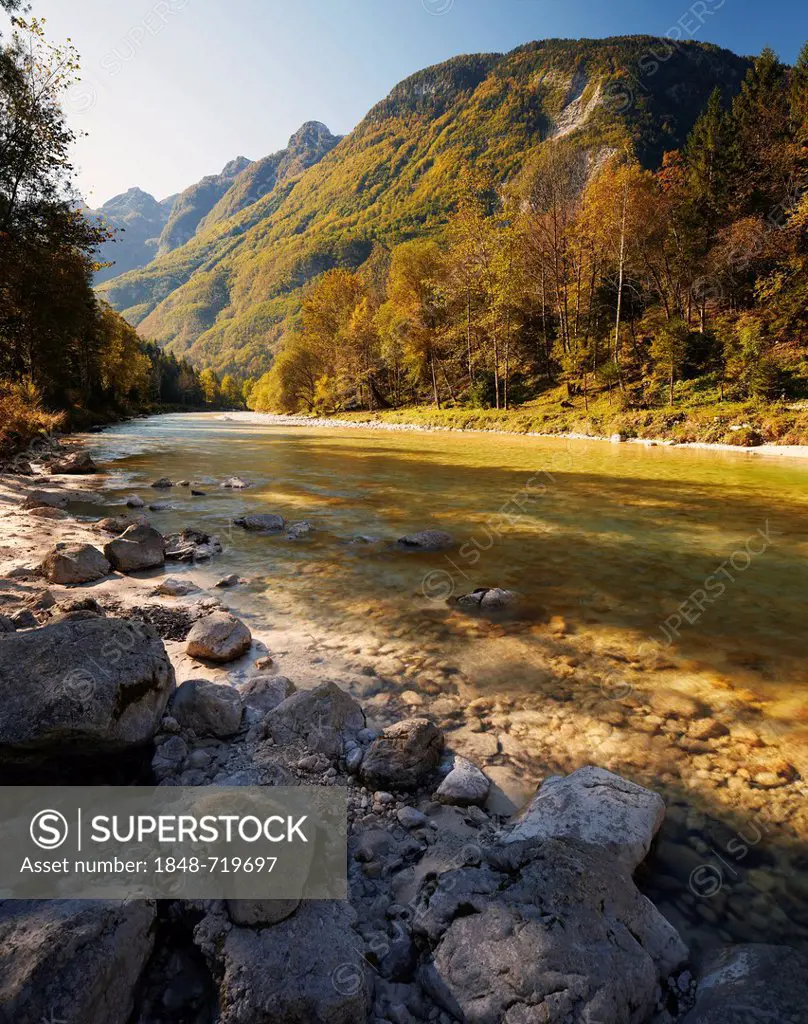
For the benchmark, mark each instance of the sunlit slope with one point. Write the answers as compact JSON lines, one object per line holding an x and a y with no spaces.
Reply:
{"x":225,"y":298}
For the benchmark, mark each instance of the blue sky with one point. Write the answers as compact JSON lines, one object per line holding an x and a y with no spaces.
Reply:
{"x":173,"y":89}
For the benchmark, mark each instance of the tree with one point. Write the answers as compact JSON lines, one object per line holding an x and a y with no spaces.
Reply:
{"x":668,"y":351}
{"x":231,"y":392}
{"x":417,"y":273}
{"x":211,"y":388}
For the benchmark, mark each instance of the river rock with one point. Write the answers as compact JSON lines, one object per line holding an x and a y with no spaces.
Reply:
{"x":234,"y":483}
{"x":169,"y":757}
{"x":403,"y":755}
{"x":464,"y":785}
{"x":597,"y":807}
{"x":265,"y":693}
{"x":487,"y":599}
{"x":25,"y":619}
{"x":298,"y":530}
{"x":427,"y":540}
{"x":192,"y":546}
{"x":219,"y":637}
{"x":77,"y":464}
{"x":171,"y":587}
{"x":233,"y":580}
{"x":751,"y":984}
{"x":81,"y":687}
{"x":261,"y":913}
{"x":264,"y":522}
{"x":305,"y":969}
{"x":46,"y":512}
{"x":139,"y":547}
{"x":548,"y":932}
{"x":72,"y":960}
{"x":162,"y":484}
{"x":7,"y":624}
{"x":117,"y":525}
{"x":210,"y":709}
{"x":75,"y":563}
{"x":51,"y":499}
{"x":322,"y":718}
{"x":133,"y":501}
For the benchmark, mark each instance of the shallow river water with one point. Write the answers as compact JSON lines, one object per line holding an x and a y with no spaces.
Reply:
{"x":659,"y":629}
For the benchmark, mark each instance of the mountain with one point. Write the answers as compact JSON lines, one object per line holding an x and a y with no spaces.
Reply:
{"x":195,"y":203}
{"x":226,"y":297}
{"x":140,"y":220}
{"x":306,"y":147}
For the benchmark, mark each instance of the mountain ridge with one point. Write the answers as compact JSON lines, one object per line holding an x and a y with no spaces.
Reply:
{"x":227,"y":296}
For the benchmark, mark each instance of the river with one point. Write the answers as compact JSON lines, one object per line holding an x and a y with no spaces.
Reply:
{"x":659,"y":629}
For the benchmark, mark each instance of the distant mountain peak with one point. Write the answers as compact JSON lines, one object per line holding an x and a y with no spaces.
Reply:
{"x":235,"y":167}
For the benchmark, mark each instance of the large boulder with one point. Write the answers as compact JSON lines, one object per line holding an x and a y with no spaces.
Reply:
{"x":597,"y":807}
{"x":261,"y":523}
{"x":550,"y":933}
{"x":751,"y":984}
{"x":70,"y":564}
{"x":76,"y":464}
{"x":323,"y":719}
{"x":427,"y":540}
{"x":49,"y":499}
{"x":303,"y":970}
{"x":72,"y":960}
{"x":139,"y":547}
{"x":80,"y":687}
{"x":404,"y":755}
{"x":210,"y":709}
{"x":220,"y":637}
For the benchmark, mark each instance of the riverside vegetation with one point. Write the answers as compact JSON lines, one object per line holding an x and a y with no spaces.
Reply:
{"x":552,"y":239}
{"x":66,"y":357}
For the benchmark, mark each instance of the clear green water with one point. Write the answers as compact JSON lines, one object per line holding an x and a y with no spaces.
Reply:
{"x":604,"y":543}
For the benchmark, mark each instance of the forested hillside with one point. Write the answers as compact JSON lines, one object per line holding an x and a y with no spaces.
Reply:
{"x":598,"y":293}
{"x":229,"y":296}
{"x":65,"y":356}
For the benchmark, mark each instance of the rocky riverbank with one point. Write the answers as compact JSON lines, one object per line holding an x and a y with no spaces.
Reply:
{"x":459,"y":909}
{"x":370,"y":421}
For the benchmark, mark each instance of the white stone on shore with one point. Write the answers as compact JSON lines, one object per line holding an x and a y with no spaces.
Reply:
{"x":596,"y":807}
{"x":464,"y":785}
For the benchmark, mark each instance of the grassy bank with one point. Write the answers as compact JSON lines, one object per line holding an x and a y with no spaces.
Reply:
{"x":691,"y":419}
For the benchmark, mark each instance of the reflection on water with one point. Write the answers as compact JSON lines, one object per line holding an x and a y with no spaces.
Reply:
{"x":648,"y":578}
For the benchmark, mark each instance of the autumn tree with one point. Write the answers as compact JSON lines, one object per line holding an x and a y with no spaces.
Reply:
{"x":415,"y":289}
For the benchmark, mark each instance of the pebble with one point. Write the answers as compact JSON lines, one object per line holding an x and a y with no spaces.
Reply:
{"x":768,"y":780}
{"x":412,"y":698}
{"x":409,"y":817}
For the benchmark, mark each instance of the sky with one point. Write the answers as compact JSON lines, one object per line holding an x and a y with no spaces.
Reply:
{"x":172,"y":90}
